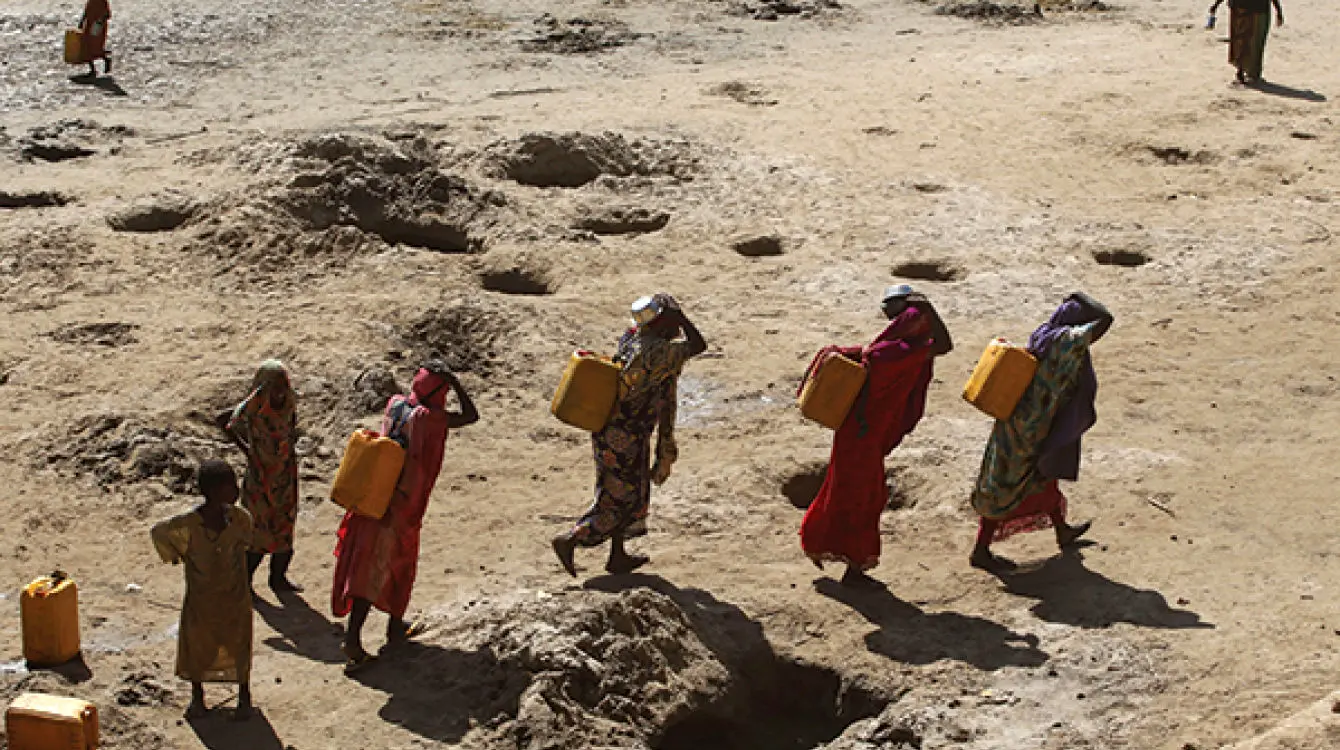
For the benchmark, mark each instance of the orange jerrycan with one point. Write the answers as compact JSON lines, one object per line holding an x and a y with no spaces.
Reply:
{"x":1000,"y":378}
{"x":74,"y":46}
{"x":368,"y":473}
{"x":587,"y":392}
{"x":49,"y":610}
{"x":830,"y":391}
{"x":36,"y":721}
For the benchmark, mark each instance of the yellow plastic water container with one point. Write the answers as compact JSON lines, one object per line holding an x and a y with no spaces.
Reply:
{"x":49,"y":611}
{"x":368,"y":473}
{"x":587,"y":392}
{"x":74,"y":46}
{"x":829,"y":393}
{"x":36,"y":721}
{"x":1000,"y":378}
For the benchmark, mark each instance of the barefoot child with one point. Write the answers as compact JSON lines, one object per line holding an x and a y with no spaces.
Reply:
{"x":214,"y":641}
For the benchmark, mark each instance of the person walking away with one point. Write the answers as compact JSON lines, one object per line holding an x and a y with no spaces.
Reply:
{"x":842,"y":522}
{"x":93,"y":41}
{"x":1017,"y":488}
{"x":376,"y":559}
{"x":651,"y":356}
{"x":211,"y":541}
{"x":265,"y":427}
{"x":1249,"y":25}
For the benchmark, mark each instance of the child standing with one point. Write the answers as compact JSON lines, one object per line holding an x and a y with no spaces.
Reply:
{"x":214,"y":640}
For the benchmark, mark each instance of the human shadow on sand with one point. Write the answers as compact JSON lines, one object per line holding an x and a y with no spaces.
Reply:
{"x":302,"y":630}
{"x":912,"y":636}
{"x":440,"y":693}
{"x":218,"y":731}
{"x":106,"y":84}
{"x":1070,"y":594}
{"x":1288,"y":92}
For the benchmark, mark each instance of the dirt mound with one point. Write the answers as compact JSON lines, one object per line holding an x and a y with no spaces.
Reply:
{"x":474,"y":335}
{"x":67,"y":139}
{"x":345,"y":194}
{"x":373,"y":387}
{"x":159,"y":213}
{"x":576,"y":36}
{"x":655,"y":667}
{"x":622,"y":220}
{"x":115,"y":449}
{"x":575,"y":159}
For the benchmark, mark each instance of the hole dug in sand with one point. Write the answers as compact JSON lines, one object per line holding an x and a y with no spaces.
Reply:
{"x":802,"y":487}
{"x":763,"y":246}
{"x":1124,"y":258}
{"x":929,"y":270}
{"x":516,"y":281}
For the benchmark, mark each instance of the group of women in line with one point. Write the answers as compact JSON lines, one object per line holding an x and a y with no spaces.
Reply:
{"x":1017,"y":488}
{"x":377,"y":559}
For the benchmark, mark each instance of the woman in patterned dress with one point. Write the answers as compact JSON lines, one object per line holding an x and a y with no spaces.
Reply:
{"x":1039,"y":444}
{"x":265,"y":426}
{"x":651,"y":356}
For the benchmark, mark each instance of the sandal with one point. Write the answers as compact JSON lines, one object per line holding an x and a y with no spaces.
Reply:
{"x":354,"y":663}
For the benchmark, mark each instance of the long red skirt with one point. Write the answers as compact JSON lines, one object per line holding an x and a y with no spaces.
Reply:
{"x":1041,"y":510}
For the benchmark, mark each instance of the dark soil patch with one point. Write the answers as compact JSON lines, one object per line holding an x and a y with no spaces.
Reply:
{"x":116,"y":450}
{"x":621,"y":220}
{"x":41,"y":199}
{"x":1176,"y":155}
{"x":66,"y":139}
{"x":1125,"y":258}
{"x":516,"y":281}
{"x":572,"y":160}
{"x":468,"y":335}
{"x":99,"y":334}
{"x":932,"y":270}
{"x":577,"y":36}
{"x":762,"y":246}
{"x":773,"y":10}
{"x":990,"y":12}
{"x":752,"y":94}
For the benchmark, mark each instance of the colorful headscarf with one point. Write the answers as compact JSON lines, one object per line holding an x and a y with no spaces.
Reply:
{"x":1059,"y":455}
{"x":429,"y":389}
{"x":272,"y":375}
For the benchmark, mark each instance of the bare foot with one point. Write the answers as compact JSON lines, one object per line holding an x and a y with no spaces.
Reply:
{"x":566,"y":549}
{"x":625,"y":564}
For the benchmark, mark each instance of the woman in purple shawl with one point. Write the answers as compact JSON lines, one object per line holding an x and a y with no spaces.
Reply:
{"x":1017,"y":488}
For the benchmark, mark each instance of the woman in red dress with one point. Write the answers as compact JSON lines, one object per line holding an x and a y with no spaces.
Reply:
{"x":93,"y":26}
{"x":376,"y":559}
{"x":842,"y":524}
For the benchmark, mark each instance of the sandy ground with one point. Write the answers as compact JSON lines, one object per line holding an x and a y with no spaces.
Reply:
{"x":334,"y":183}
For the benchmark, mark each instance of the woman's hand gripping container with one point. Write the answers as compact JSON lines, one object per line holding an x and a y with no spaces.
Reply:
{"x":588,"y":391}
{"x":36,"y":721}
{"x":1000,"y":378}
{"x":831,"y":389}
{"x":49,"y":611}
{"x":368,"y":474}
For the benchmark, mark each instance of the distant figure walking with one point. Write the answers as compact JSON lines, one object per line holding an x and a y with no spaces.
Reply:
{"x":842,"y":523}
{"x":93,"y":27}
{"x":1039,"y":444}
{"x":1249,"y":26}
{"x":651,"y":355}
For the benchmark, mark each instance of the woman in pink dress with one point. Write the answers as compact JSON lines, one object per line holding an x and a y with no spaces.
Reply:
{"x":377,"y":558}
